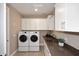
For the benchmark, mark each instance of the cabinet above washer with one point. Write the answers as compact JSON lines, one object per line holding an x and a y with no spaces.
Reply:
{"x":34,"y":24}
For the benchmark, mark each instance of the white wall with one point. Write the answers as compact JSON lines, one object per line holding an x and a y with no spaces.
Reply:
{"x":2,"y":30}
{"x":71,"y":39}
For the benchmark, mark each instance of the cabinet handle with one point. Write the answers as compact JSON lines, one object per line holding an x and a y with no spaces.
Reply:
{"x":63,"y":25}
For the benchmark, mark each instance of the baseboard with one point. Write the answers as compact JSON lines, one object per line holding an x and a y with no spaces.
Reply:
{"x":13,"y":52}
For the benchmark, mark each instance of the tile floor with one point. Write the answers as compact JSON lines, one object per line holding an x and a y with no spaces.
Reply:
{"x":31,"y":53}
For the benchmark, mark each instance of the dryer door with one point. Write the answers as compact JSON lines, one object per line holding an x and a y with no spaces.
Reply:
{"x":23,"y":38}
{"x":34,"y":38}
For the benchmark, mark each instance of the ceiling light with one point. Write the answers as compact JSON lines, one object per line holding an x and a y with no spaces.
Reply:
{"x":36,"y":9}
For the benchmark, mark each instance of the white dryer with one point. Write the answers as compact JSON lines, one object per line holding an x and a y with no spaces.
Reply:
{"x":23,"y":40}
{"x":34,"y":41}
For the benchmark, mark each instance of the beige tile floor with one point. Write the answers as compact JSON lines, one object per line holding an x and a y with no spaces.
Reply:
{"x":31,"y":53}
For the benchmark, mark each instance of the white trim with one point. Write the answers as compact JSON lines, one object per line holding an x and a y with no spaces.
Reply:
{"x":8,"y":34}
{"x":13,"y":52}
{"x":8,"y":31}
{"x":4,"y":28}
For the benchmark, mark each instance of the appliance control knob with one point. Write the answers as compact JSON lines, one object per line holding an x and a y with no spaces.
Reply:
{"x":25,"y":32}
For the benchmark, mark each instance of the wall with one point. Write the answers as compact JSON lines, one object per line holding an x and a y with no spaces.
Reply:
{"x":2,"y":30}
{"x":71,"y":39}
{"x":14,"y":28}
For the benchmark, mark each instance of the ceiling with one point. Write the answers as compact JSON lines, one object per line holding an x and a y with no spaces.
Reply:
{"x":28,"y":9}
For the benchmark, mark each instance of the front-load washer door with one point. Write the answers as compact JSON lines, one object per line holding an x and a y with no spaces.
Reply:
{"x":23,"y":40}
{"x":34,"y":40}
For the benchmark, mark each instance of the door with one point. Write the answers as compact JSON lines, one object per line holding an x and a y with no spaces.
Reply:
{"x":34,"y":38}
{"x":7,"y":31}
{"x":23,"y":40}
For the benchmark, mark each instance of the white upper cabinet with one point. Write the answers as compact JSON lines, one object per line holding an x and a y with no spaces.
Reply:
{"x":25,"y":24}
{"x":67,"y":17}
{"x":38,"y":23}
{"x":60,"y":17}
{"x":50,"y":22}
{"x":73,"y":17}
{"x":34,"y":24}
{"x":43,"y":24}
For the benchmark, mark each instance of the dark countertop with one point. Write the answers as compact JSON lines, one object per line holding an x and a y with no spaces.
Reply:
{"x":55,"y":50}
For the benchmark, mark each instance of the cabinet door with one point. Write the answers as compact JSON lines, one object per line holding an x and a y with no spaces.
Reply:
{"x":43,"y":24}
{"x":60,"y":16}
{"x":50,"y":23}
{"x":38,"y":24}
{"x":29,"y":24}
{"x":67,"y":17}
{"x":25,"y":25}
{"x":33,"y":24}
{"x":72,"y":17}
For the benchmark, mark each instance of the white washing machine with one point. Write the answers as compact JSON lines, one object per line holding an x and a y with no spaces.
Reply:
{"x":34,"y":41}
{"x":23,"y":41}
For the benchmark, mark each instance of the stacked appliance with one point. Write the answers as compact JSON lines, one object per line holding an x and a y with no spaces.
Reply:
{"x":28,"y":41}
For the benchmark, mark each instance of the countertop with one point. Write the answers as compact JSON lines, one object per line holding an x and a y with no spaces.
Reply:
{"x":54,"y":49}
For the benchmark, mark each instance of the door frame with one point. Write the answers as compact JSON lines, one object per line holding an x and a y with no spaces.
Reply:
{"x":7,"y":31}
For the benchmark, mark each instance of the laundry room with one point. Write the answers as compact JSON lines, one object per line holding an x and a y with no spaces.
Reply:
{"x":33,"y":29}
{"x":23,"y":21}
